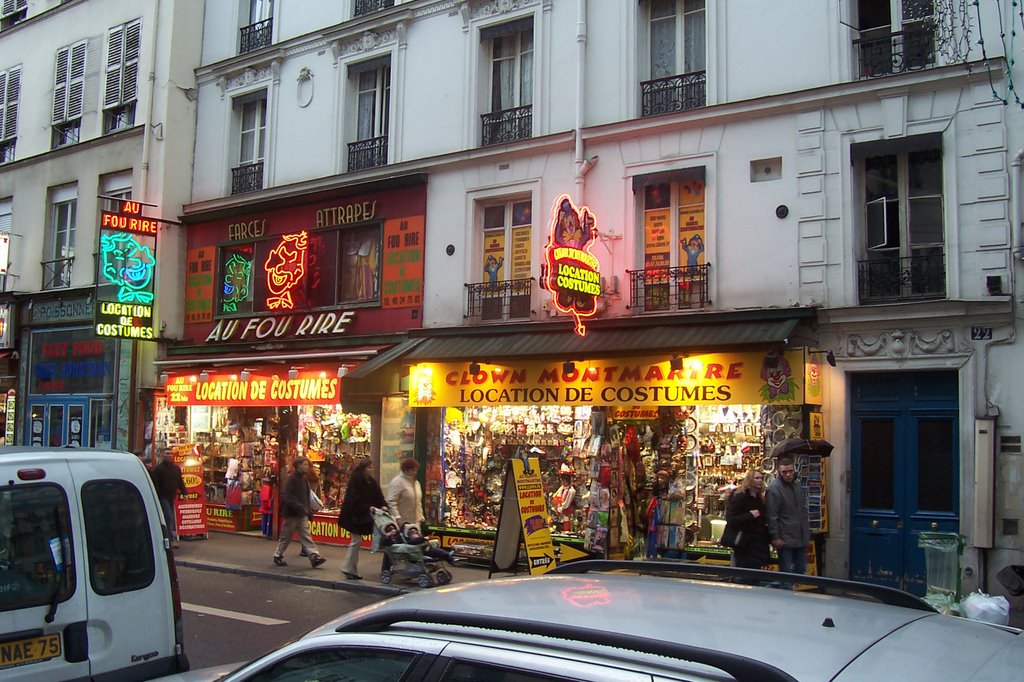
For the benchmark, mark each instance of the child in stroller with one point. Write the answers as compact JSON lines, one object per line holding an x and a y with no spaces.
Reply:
{"x":417,"y":560}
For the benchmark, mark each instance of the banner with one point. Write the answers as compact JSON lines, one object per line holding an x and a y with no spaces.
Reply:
{"x":715,"y":379}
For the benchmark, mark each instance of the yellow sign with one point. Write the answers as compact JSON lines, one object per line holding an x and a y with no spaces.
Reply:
{"x":533,"y":516}
{"x":713,"y":379}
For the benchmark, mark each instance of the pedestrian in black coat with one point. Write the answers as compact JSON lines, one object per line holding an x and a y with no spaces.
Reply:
{"x":746,"y":512}
{"x":362,"y":493}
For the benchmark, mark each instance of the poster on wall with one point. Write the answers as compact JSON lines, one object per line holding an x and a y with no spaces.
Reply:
{"x":398,"y":436}
{"x":402,"y":274}
{"x":199,"y":285}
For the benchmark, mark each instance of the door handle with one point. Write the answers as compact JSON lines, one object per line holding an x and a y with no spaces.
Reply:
{"x":874,"y":523}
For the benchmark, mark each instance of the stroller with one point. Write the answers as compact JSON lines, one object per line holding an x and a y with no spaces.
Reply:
{"x":407,"y":561}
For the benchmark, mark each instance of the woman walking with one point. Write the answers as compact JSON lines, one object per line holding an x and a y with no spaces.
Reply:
{"x":746,"y":513}
{"x":362,"y":493}
{"x":297,"y":514}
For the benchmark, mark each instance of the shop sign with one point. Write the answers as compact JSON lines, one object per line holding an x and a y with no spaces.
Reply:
{"x":71,"y":361}
{"x":218,"y":517}
{"x":713,"y":379}
{"x":814,"y":378}
{"x":125,"y":283}
{"x":190,"y":508}
{"x":523,"y":504}
{"x":324,"y":529}
{"x":45,"y":312}
{"x":280,"y":327}
{"x":573,"y":273}
{"x":402,"y":269}
{"x":10,"y":406}
{"x":309,"y":387}
{"x":5,"y":326}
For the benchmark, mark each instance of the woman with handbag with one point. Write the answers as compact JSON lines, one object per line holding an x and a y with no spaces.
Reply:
{"x":746,"y":529}
{"x":362,"y":493}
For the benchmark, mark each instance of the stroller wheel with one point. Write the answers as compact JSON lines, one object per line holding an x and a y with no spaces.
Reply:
{"x":425,"y":580}
{"x":443,"y":577}
{"x":385,"y":577}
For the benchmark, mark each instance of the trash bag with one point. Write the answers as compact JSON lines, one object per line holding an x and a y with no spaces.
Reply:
{"x":945,"y":604}
{"x":983,"y":607}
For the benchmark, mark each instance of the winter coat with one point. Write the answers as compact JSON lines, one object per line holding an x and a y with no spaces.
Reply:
{"x":752,"y":549}
{"x":362,"y":493}
{"x":295,"y":496}
{"x":167,"y":480}
{"x":405,"y":499}
{"x":787,"y":514}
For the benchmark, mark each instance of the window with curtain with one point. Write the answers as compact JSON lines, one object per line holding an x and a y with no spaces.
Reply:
{"x":512,"y":70}
{"x":373,"y":97}
{"x":678,"y":43}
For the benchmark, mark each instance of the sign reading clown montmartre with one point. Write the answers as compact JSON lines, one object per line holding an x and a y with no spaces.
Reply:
{"x":573,"y":274}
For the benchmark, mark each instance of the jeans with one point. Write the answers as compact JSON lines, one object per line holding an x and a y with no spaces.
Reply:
{"x":793,"y":560}
{"x":167,"y":506}
{"x":295,"y":524}
{"x":266,"y":522}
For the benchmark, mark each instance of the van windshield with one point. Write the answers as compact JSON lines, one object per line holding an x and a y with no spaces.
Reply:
{"x":35,"y":549}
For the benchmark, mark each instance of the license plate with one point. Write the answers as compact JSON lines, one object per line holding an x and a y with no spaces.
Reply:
{"x":31,"y":650}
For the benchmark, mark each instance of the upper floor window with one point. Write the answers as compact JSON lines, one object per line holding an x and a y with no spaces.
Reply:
{"x":510,"y":116}
{"x":6,"y":224}
{"x":60,"y":245}
{"x":251,"y":118}
{"x":674,"y":272}
{"x":68,"y":87}
{"x":363,"y":7}
{"x":10,"y":92}
{"x":122,"y":87}
{"x":903,"y":219}
{"x":257,"y":33}
{"x":12,"y":12}
{"x":372,"y":81}
{"x":677,"y":61}
{"x":895,"y":36}
{"x":504,"y":289}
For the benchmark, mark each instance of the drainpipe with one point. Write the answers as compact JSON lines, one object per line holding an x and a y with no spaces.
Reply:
{"x":147,"y":135}
{"x":583,"y":165}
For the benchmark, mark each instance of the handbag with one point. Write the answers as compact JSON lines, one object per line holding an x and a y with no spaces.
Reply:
{"x":730,"y":536}
{"x":315,"y":504}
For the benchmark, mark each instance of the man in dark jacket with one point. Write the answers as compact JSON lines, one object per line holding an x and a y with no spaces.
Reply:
{"x":297,"y":514}
{"x":788,"y":525}
{"x":168,"y":482}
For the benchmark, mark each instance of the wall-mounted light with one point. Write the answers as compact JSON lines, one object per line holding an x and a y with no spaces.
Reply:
{"x":342,"y":371}
{"x":474,"y":368}
{"x":568,"y":367}
{"x":293,"y":374}
{"x":244,"y":376}
{"x":162,"y":378}
{"x":204,"y":376}
{"x":676,"y":363}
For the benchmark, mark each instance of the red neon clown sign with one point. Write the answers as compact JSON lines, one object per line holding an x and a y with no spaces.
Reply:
{"x":573,"y":273}
{"x":285,"y":267}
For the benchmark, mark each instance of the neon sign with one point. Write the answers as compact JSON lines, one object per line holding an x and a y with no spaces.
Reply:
{"x":573,"y":273}
{"x":125,"y":283}
{"x":286,"y":267}
{"x":237,"y":281}
{"x":129,"y":266}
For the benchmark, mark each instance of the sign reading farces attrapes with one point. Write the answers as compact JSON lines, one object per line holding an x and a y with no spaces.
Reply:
{"x":126,"y":274}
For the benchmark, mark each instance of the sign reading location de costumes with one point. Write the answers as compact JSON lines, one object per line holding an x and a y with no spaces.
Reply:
{"x":573,"y":273}
{"x":523,"y":519}
{"x":311,"y":386}
{"x":126,"y":273}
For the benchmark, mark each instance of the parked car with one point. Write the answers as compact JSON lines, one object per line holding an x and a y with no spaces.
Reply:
{"x":649,"y":620}
{"x":88,"y":586}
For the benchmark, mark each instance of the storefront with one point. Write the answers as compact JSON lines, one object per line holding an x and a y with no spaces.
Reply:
{"x":602,"y":426}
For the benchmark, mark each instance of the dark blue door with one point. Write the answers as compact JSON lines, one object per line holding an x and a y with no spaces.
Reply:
{"x":905,"y":472}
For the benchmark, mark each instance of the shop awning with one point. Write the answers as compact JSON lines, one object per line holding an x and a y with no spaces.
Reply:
{"x":562,"y":343}
{"x":340,"y":355}
{"x":393,"y":353}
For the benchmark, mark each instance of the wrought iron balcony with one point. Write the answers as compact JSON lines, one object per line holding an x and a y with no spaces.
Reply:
{"x":505,"y":300}
{"x":371,"y":6}
{"x":888,"y":279}
{"x":884,"y":53}
{"x":247,"y":178}
{"x":507,"y":125}
{"x":368,"y":153}
{"x":256,"y":36}
{"x":665,"y":289}
{"x":57,"y":273}
{"x":675,"y":93}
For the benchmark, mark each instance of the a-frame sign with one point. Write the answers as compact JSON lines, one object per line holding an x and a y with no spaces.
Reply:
{"x":523,"y":520}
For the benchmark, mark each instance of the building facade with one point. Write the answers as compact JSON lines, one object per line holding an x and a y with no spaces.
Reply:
{"x":847,"y":203}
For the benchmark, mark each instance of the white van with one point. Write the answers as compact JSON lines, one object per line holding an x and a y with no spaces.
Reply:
{"x":88,"y":586}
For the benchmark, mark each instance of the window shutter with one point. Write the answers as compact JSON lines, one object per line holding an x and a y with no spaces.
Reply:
{"x":10,"y":91}
{"x":115,"y":60}
{"x":12,"y":6}
{"x":76,"y":80}
{"x":132,"y":48}
{"x":60,"y":85}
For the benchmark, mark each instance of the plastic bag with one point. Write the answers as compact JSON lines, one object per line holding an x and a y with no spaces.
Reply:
{"x":983,"y":607}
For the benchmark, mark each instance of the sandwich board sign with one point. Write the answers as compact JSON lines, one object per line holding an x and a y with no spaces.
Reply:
{"x":523,"y":520}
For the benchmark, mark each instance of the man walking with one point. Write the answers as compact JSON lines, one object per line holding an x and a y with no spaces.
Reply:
{"x":405,"y":496}
{"x":788,"y":525}
{"x":297,"y":514}
{"x":168,"y":482}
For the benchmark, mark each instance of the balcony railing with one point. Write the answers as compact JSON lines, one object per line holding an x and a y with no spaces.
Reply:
{"x":368,"y":153}
{"x":507,"y":125}
{"x":247,"y":178}
{"x":57,"y":273}
{"x":371,"y":6}
{"x":255,"y":36}
{"x":666,"y":289}
{"x":505,"y":300}
{"x":884,"y":53}
{"x":897,"y":279}
{"x":675,"y":93}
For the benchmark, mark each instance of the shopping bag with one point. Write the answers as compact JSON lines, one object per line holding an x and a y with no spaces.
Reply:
{"x":315,"y":504}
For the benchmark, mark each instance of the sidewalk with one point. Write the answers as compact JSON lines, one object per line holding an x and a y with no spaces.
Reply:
{"x":249,"y":554}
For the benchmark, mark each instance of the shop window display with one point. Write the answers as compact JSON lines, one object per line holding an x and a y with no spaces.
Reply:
{"x":240,"y":448}
{"x":333,"y":440}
